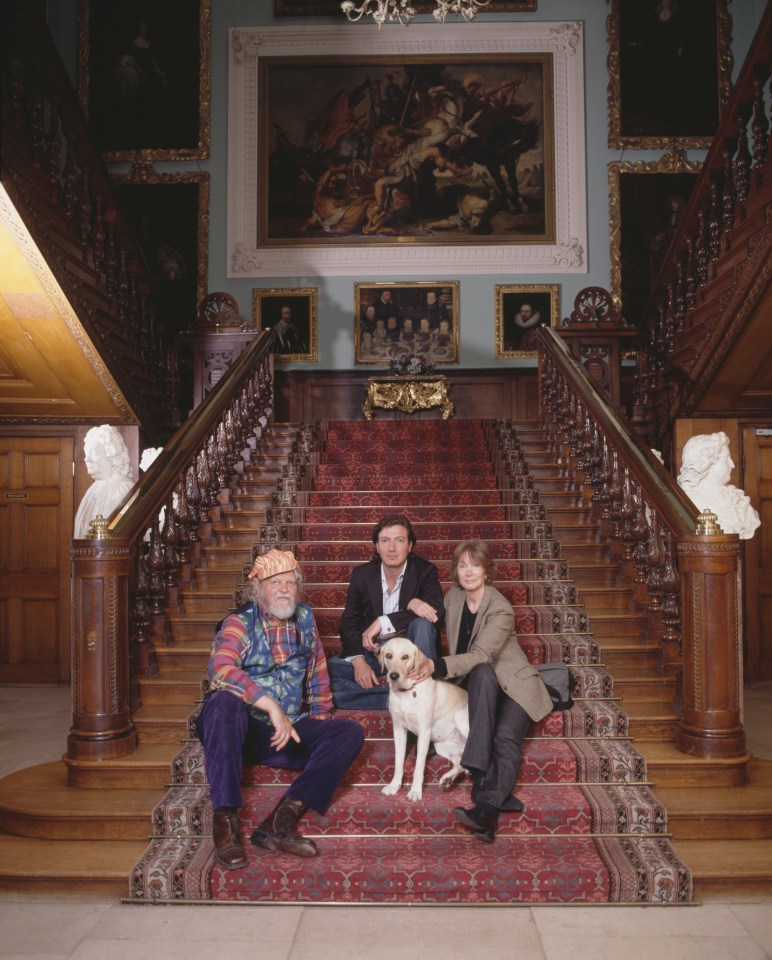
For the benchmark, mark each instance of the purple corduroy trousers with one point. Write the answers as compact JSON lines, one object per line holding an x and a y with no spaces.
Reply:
{"x":233,"y":737}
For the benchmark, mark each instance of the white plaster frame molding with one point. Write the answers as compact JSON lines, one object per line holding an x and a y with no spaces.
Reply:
{"x":568,"y":254}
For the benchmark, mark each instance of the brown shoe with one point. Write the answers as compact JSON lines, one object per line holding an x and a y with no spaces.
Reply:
{"x":229,"y":851}
{"x":279,"y":830}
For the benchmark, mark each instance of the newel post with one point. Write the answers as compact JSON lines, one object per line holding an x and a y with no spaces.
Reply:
{"x":101,"y":716}
{"x":711,"y":716}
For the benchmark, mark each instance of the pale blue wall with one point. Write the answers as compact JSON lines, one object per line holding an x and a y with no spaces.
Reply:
{"x":336,"y":296}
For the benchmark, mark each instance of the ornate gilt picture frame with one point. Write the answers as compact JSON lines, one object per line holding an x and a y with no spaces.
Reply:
{"x":144,"y":77}
{"x":359,"y":204}
{"x":520,"y":309}
{"x":292,"y":313}
{"x":169,"y":214}
{"x":646,"y":201}
{"x":670,"y":66}
{"x":393,"y":320}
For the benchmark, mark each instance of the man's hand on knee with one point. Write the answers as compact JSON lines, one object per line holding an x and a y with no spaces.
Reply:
{"x":364,"y":674}
{"x":283,"y":731}
{"x":423,"y":609}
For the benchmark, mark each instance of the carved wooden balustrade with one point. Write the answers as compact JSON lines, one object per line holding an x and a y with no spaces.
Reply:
{"x":686,"y":582}
{"x":57,"y":180}
{"x":686,"y":339}
{"x":127,"y":579}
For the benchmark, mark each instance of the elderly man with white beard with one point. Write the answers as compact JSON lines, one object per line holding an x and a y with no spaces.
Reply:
{"x":271,"y":705}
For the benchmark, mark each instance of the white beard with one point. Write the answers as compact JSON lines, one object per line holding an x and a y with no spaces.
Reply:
{"x":281,"y":609}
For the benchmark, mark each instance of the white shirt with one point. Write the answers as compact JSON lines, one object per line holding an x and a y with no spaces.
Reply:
{"x":390,"y":600}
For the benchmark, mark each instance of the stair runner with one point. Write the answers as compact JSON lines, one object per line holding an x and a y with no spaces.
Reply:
{"x":592,"y":831}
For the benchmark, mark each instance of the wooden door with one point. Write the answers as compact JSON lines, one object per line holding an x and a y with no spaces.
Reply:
{"x":757,"y":482}
{"x":36,"y":516}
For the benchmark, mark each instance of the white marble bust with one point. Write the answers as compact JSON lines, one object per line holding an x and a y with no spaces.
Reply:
{"x":705,"y":470}
{"x":108,"y":462}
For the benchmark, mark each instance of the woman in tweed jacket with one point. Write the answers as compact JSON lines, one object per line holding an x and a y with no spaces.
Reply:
{"x":505,"y":691}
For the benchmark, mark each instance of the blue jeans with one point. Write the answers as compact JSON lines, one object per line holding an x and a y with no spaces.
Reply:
{"x":346,"y":692}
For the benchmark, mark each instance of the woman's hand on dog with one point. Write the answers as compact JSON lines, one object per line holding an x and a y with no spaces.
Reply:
{"x":422,"y":671}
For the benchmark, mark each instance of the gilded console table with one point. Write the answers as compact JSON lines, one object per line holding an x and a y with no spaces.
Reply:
{"x":407,"y":394}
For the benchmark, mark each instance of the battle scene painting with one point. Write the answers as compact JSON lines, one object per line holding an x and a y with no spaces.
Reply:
{"x":378,"y":151}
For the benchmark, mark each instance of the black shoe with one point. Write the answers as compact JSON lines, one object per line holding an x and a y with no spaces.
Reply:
{"x":513,"y":805}
{"x":484,"y":827}
{"x":279,"y":830}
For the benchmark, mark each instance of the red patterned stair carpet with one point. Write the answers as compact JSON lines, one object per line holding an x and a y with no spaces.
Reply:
{"x":592,"y":831}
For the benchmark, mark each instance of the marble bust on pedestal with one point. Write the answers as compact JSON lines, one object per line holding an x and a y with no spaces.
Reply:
{"x":108,"y":462}
{"x":705,"y":470}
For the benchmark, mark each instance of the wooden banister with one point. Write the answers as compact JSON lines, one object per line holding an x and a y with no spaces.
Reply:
{"x":124,"y":583}
{"x":693,"y":614}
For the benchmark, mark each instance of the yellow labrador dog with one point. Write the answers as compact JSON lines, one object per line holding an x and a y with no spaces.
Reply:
{"x":435,"y":710}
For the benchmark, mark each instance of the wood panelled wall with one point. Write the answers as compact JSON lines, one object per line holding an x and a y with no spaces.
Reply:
{"x":333,"y":395}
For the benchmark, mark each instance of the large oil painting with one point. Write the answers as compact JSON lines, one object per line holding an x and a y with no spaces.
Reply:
{"x":356,"y":153}
{"x":670,"y":66}
{"x":646,"y":203}
{"x":144,"y":76}
{"x":383,"y":150}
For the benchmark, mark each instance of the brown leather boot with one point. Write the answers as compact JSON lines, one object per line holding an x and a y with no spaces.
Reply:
{"x":279,"y":830}
{"x":228,"y":849}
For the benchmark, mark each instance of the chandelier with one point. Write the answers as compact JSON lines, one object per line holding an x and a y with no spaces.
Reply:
{"x":392,"y":10}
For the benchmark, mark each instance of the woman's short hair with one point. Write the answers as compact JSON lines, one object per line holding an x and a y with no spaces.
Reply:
{"x":478,"y":552}
{"x":395,"y":520}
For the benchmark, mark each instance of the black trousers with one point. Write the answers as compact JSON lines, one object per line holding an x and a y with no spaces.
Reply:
{"x":497,"y":728}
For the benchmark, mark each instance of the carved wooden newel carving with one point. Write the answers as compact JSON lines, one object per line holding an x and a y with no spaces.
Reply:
{"x":711,"y":722}
{"x":101,"y":718}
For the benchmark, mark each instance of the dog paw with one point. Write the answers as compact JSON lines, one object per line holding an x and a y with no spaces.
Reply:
{"x":415,"y":794}
{"x":446,"y":782}
{"x":390,"y":789}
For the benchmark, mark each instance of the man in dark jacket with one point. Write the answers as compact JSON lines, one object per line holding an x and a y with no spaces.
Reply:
{"x":395,"y":592}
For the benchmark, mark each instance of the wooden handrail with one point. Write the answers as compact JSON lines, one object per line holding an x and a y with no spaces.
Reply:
{"x":126,"y":580}
{"x":675,"y":507}
{"x":153,"y":489}
{"x":692,"y":613}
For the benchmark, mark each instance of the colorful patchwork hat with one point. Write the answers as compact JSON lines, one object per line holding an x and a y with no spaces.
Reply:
{"x":269,"y":564}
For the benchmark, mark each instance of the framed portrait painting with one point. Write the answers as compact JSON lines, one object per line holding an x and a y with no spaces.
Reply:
{"x":670,"y":67}
{"x":292,"y":314}
{"x":169,"y":215}
{"x":144,"y":77}
{"x":520,"y":310}
{"x":646,"y":203}
{"x":331,"y":8}
{"x":357,"y":151}
{"x":394,"y":320}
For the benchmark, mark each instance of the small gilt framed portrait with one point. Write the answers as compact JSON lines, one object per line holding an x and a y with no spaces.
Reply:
{"x":406,"y":319}
{"x":520,"y":310}
{"x":291,"y":313}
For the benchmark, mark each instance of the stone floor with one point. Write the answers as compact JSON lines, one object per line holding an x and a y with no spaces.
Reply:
{"x":33,"y":728}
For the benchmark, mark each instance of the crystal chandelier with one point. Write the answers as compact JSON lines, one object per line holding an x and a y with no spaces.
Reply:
{"x":392,"y":10}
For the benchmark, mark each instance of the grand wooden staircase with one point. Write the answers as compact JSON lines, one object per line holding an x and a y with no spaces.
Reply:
{"x":77,"y":827}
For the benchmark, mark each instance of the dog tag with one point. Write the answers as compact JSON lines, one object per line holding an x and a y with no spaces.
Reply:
{"x":415,"y":694}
